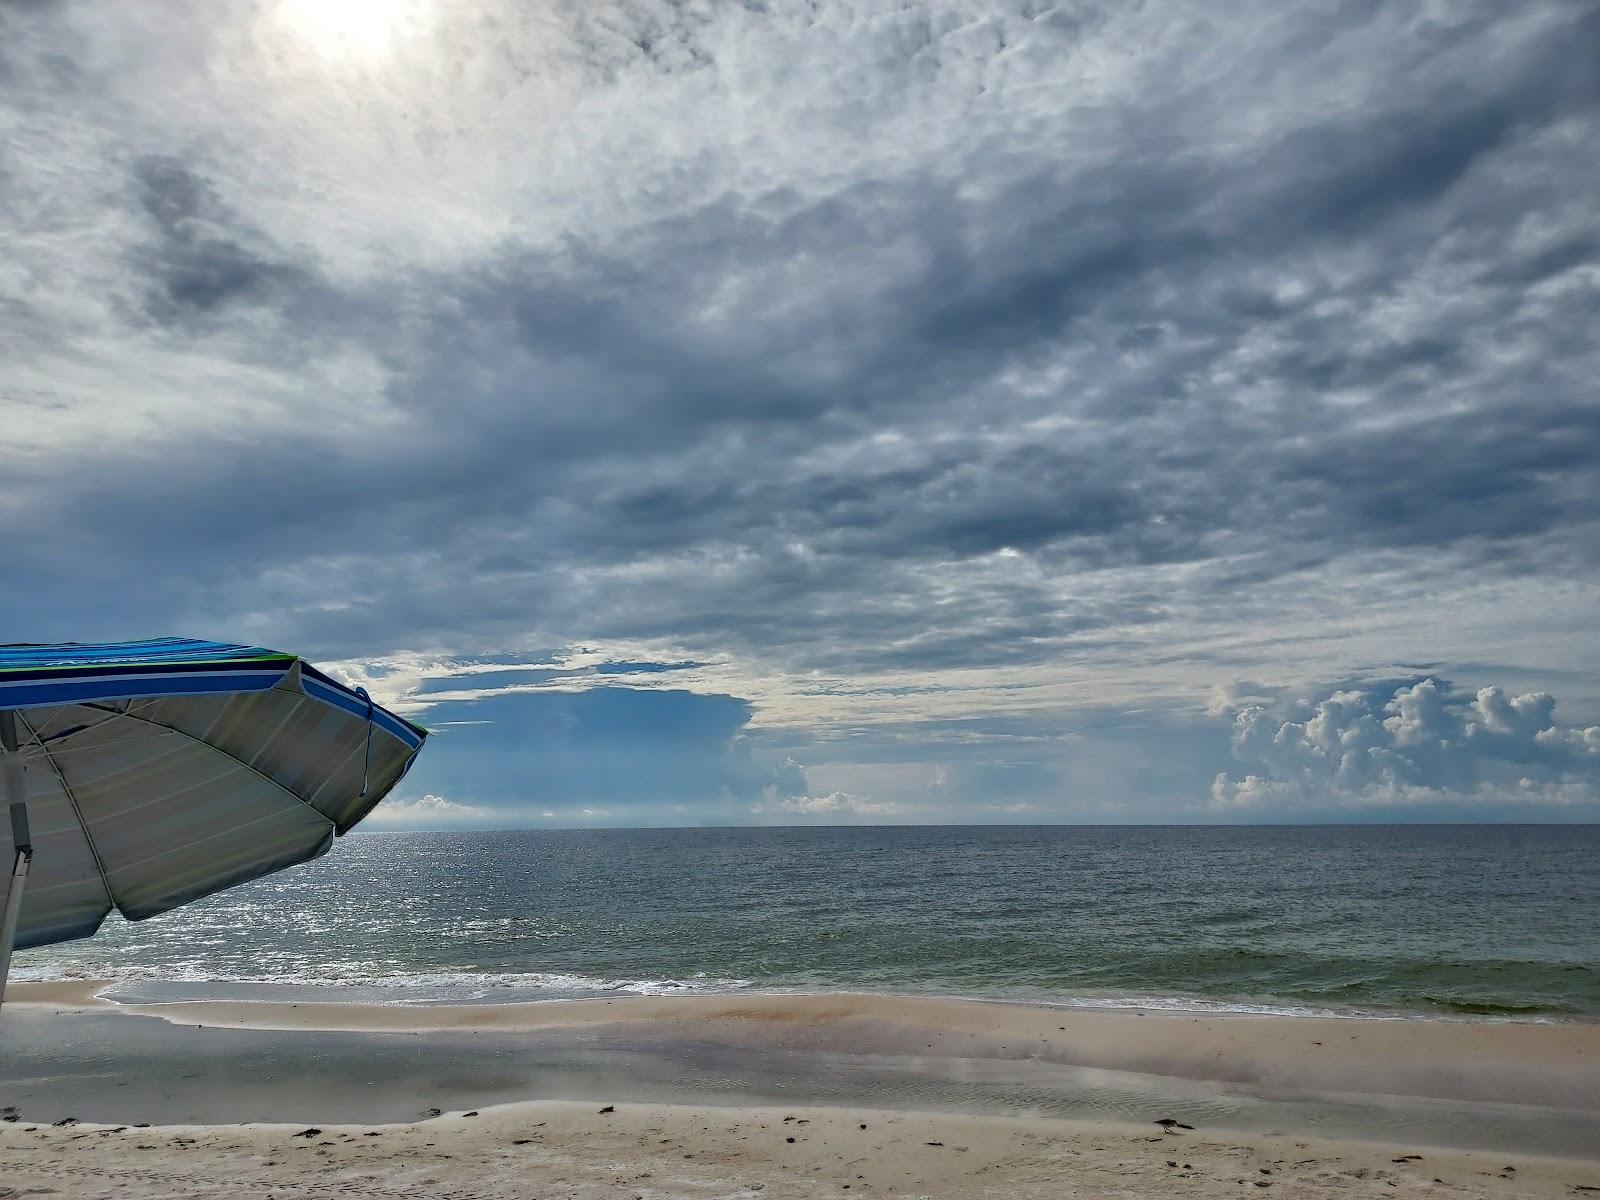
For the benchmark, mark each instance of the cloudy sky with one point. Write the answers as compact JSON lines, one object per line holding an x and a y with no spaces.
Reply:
{"x":778,"y":411}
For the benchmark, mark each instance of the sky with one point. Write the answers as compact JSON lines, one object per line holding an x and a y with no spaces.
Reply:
{"x":782,"y":412}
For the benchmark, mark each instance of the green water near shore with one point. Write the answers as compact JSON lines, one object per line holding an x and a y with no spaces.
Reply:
{"x":1481,"y":921}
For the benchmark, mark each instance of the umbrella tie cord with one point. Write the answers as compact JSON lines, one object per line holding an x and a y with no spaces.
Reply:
{"x":366,"y":761}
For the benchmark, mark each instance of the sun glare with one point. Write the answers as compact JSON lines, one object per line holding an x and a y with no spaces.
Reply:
{"x":358,"y":28}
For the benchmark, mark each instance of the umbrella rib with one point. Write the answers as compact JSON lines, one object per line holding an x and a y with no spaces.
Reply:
{"x":259,"y":774}
{"x":66,"y":790}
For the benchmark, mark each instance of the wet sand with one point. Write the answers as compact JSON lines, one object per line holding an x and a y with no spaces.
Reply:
{"x":1311,"y":1106}
{"x":1549,"y":1064}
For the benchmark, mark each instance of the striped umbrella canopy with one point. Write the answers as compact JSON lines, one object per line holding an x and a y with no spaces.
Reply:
{"x":143,"y":775}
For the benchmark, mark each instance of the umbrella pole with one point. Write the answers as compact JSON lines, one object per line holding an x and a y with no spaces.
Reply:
{"x":13,"y":791}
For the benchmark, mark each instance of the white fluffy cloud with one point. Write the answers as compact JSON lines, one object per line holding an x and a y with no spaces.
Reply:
{"x":1417,"y":743}
{"x":840,"y":804}
{"x":428,"y":812}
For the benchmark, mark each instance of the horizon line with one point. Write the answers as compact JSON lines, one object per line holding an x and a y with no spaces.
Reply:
{"x":363,"y":828}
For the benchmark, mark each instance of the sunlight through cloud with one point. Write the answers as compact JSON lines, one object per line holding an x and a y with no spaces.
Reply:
{"x":352,"y":28}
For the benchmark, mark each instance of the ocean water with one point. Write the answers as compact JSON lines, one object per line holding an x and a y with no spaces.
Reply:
{"x":1491,"y":921}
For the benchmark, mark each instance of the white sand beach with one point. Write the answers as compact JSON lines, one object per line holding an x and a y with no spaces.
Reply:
{"x":615,"y":1146}
{"x":651,"y":1151}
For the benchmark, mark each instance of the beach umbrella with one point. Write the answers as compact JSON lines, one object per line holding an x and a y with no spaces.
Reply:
{"x":142,"y":775}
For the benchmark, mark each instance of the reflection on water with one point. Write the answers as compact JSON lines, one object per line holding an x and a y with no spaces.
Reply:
{"x":1452,"y":920}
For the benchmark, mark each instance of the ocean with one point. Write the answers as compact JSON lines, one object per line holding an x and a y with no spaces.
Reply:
{"x":1491,"y":921}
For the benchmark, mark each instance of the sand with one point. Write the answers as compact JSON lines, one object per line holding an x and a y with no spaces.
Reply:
{"x":1519,"y":1063}
{"x":569,"y":1150}
{"x":573,"y":1149}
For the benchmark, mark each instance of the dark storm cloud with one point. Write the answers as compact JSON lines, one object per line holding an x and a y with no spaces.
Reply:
{"x":1081,"y":378}
{"x":632,"y":754}
{"x":197,"y":263}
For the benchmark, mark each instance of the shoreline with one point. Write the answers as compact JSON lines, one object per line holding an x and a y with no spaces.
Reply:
{"x":393,"y":995}
{"x":1390,"y":1041}
{"x":1536,"y":1065}
{"x":699,"y":1096}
